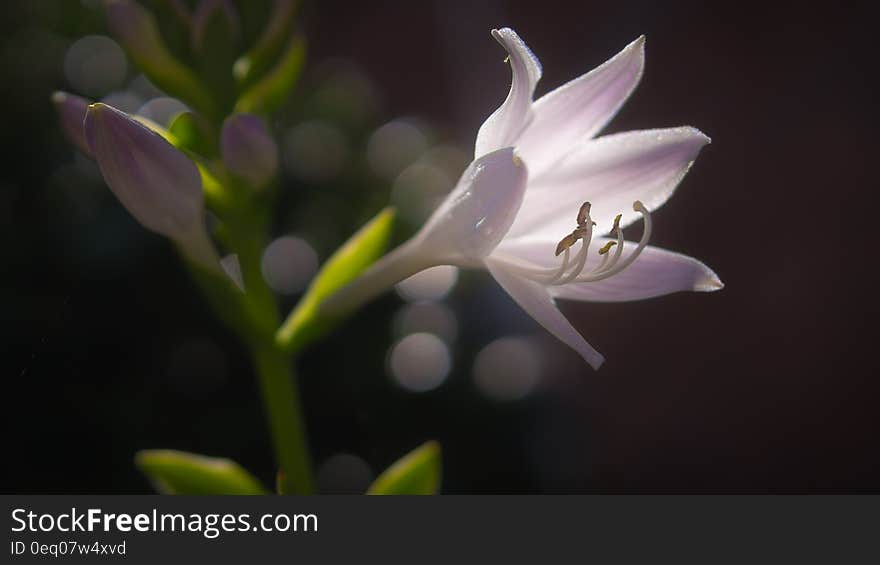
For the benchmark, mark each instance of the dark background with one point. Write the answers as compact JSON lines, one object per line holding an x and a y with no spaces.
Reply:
{"x":769,"y":385}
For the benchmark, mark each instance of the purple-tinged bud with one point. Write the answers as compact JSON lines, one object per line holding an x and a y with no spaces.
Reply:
{"x":159,"y":185}
{"x":205,"y":10}
{"x":248,"y":149}
{"x":72,"y":111}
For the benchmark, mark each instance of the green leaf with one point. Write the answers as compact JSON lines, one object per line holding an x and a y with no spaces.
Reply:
{"x":417,"y":472}
{"x":178,"y":472}
{"x":193,"y":133}
{"x":363,"y":248}
{"x":216,"y":42}
{"x":138,"y":32}
{"x":259,"y":58}
{"x":181,"y":136}
{"x":271,"y":91}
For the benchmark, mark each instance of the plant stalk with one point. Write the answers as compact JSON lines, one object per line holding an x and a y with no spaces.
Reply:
{"x":284,"y":411}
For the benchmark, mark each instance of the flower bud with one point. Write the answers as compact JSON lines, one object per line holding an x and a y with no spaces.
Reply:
{"x":255,"y":62}
{"x":159,"y":185}
{"x":248,"y":149}
{"x":205,"y":11}
{"x":136,"y":29}
{"x":72,"y":111}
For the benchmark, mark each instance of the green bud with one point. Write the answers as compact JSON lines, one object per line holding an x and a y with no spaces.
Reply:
{"x":306,"y":322}
{"x":178,"y":472}
{"x":417,"y":472}
{"x":136,"y":29}
{"x":272,"y":91}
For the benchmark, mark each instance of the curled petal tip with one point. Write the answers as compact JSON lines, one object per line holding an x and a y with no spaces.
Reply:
{"x":710,"y":282}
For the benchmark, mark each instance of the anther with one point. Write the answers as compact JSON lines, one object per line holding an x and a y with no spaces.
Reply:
{"x":584,"y":214}
{"x":607,"y":247}
{"x":567,"y":242}
{"x":571,"y":269}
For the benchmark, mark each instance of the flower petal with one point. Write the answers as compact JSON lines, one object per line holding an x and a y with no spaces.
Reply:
{"x":577,"y":110}
{"x":503,"y":127}
{"x":248,"y":149}
{"x":158,"y":184}
{"x":655,"y":272}
{"x":72,"y":111}
{"x":537,"y":302}
{"x":612,"y":172}
{"x":476,"y":215}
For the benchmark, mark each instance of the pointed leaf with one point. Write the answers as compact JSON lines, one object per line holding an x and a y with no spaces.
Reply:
{"x":272,"y":90}
{"x":417,"y":472}
{"x":178,"y":472}
{"x":363,"y":248}
{"x":260,"y":57}
{"x":138,"y":31}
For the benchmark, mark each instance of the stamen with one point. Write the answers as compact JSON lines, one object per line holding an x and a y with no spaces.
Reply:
{"x":583,"y":214}
{"x":581,"y":258}
{"x":567,"y":242}
{"x":616,"y":267}
{"x":561,"y":270}
{"x":607,"y":247}
{"x":617,"y":253}
{"x":572,"y":271}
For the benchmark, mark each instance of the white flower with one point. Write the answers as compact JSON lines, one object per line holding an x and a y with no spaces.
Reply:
{"x":536,"y":205}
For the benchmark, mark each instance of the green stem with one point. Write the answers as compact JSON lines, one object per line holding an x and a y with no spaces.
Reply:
{"x":281,"y":397}
{"x":247,"y":237}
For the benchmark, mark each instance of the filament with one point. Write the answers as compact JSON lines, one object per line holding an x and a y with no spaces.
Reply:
{"x":574,"y":270}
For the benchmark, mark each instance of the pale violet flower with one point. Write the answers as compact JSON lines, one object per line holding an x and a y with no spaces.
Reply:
{"x":157,"y":183}
{"x":248,"y":149}
{"x":543,"y":205}
{"x":71,"y":112}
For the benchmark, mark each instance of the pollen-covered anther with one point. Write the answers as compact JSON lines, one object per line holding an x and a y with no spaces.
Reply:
{"x":584,"y":214}
{"x":572,"y":270}
{"x":566,"y":242}
{"x":607,"y":247}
